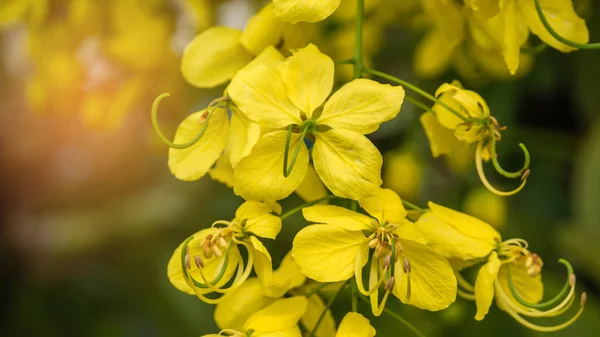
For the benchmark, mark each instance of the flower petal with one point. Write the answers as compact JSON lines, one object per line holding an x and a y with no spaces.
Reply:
{"x":466,"y":224}
{"x":260,"y":93}
{"x":289,"y":270}
{"x":222,"y":171}
{"x":337,"y":216}
{"x":293,"y":331}
{"x":355,"y":325}
{"x":449,"y":241}
{"x":263,"y":267}
{"x":243,"y":135}
{"x":237,"y":306}
{"x":280,"y":315}
{"x":310,"y":318}
{"x":311,"y":188}
{"x":514,"y":33}
{"x":259,"y":176}
{"x":308,"y":76}
{"x":530,"y":288}
{"x":193,"y":162}
{"x":362,"y":105}
{"x":259,"y":218}
{"x":328,"y":253}
{"x":386,"y":206}
{"x":433,"y":55}
{"x":262,"y":30}
{"x":294,"y":11}
{"x":484,"y":285}
{"x":213,"y":57}
{"x":441,"y":140}
{"x":432,"y":280}
{"x":348,"y":163}
{"x":562,"y":18}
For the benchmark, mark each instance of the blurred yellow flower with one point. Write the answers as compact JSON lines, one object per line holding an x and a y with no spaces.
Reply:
{"x":402,"y":173}
{"x":486,"y":206}
{"x":294,"y":11}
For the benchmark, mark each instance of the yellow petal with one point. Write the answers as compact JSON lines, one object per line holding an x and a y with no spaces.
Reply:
{"x":213,"y":57}
{"x":255,"y":209}
{"x":436,"y":50}
{"x":288,"y":269}
{"x":562,"y":17}
{"x":432,"y":280}
{"x":441,"y":140}
{"x":259,"y":176}
{"x":262,"y":30}
{"x":312,"y":187}
{"x":293,"y":331}
{"x":264,"y":270}
{"x":193,"y":162}
{"x":222,"y":171}
{"x":237,"y":306}
{"x":314,"y":308}
{"x":362,"y":105}
{"x":530,"y":288}
{"x":466,"y":224}
{"x":266,"y":57}
{"x":449,"y":241}
{"x":348,"y":163}
{"x":308,"y":75}
{"x":337,"y":216}
{"x":280,"y":315}
{"x":515,"y":33}
{"x":385,"y":206}
{"x":355,"y":325}
{"x":484,"y":285}
{"x":294,"y":11}
{"x":260,"y":93}
{"x":211,"y":266}
{"x":259,"y":219}
{"x":328,"y":253}
{"x":243,"y":135}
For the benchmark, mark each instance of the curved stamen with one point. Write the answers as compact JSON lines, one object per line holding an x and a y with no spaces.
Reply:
{"x":552,"y":302}
{"x":462,"y":282}
{"x":189,"y":277}
{"x":465,"y":295}
{"x":486,"y":183}
{"x":221,"y":222}
{"x":193,"y":140}
{"x":502,"y":171}
{"x":359,"y":281}
{"x":376,"y":307}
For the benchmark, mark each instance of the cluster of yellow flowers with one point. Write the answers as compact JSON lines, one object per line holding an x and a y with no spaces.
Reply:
{"x":281,"y":127}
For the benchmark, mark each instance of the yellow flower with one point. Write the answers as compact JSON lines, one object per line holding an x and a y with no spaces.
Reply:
{"x":402,"y":173}
{"x":290,"y":95}
{"x":294,"y":11}
{"x":511,"y":273}
{"x":206,"y":261}
{"x":238,"y":305}
{"x":338,"y":246}
{"x":214,"y":56}
{"x":355,"y":325}
{"x":279,"y":318}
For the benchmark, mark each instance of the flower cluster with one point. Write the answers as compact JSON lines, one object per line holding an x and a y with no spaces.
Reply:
{"x":282,"y":125}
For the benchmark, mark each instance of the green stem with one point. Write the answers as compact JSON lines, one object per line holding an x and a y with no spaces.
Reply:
{"x":288,"y":170}
{"x":398,"y":318}
{"x":505,"y":173}
{"x":317,"y":289}
{"x":413,"y":206}
{"x":415,"y":89}
{"x":354,"y":292}
{"x":327,"y":307}
{"x":358,"y":39}
{"x":557,"y":36}
{"x":417,"y":103}
{"x":299,"y":208}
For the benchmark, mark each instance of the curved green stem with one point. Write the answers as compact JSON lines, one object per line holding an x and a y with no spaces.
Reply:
{"x":556,"y":35}
{"x":288,"y":170}
{"x":188,"y":276}
{"x":327,"y":307}
{"x":162,"y":136}
{"x":505,"y":173}
{"x":358,"y":39}
{"x":415,"y":89}
{"x":551,"y":302}
{"x":299,"y":208}
{"x":398,"y":318}
{"x":413,"y":206}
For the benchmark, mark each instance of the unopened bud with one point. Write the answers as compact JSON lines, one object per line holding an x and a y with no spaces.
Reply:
{"x":583,"y":298}
{"x":406,"y":265}
{"x":572,"y":280}
{"x":216,"y":251}
{"x":187,"y":261}
{"x":222,"y":242}
{"x":199,"y":262}
{"x":374,"y":243}
{"x":386,"y":261}
{"x":389,"y":285}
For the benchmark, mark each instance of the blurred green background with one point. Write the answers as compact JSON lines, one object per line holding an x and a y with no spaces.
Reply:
{"x":90,"y":214}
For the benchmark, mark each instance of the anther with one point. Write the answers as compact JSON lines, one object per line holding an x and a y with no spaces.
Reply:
{"x":525,"y":174}
{"x":199,"y":262}
{"x":374,"y":222}
{"x":222,"y":242}
{"x":206,"y":250}
{"x":389,"y":285}
{"x":203,"y":117}
{"x":216,"y":251}
{"x":374,"y":243}
{"x":572,"y":280}
{"x":386,"y":261}
{"x":406,"y":265}
{"x":399,"y":248}
{"x":583,"y":299}
{"x":187,"y":261}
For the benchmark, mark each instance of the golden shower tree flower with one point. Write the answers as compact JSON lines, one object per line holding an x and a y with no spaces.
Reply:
{"x":342,"y":242}
{"x":294,"y":11}
{"x":289,"y":101}
{"x":277,"y":319}
{"x":206,"y":261}
{"x":461,"y":117}
{"x":511,"y":273}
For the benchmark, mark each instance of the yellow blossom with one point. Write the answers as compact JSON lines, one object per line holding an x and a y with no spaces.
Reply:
{"x":338,"y":246}
{"x":294,"y":11}
{"x":205,"y":262}
{"x":355,"y":325}
{"x":286,"y":99}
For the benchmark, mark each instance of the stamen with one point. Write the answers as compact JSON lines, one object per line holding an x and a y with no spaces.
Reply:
{"x":505,"y":173}
{"x":464,"y":283}
{"x":358,"y":276}
{"x":406,"y":265}
{"x":484,"y":180}
{"x":465,"y":295}
{"x":408,"y":287}
{"x":216,"y":251}
{"x":373,"y":243}
{"x":389,"y":285}
{"x":187,"y":261}
{"x":199,"y":262}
